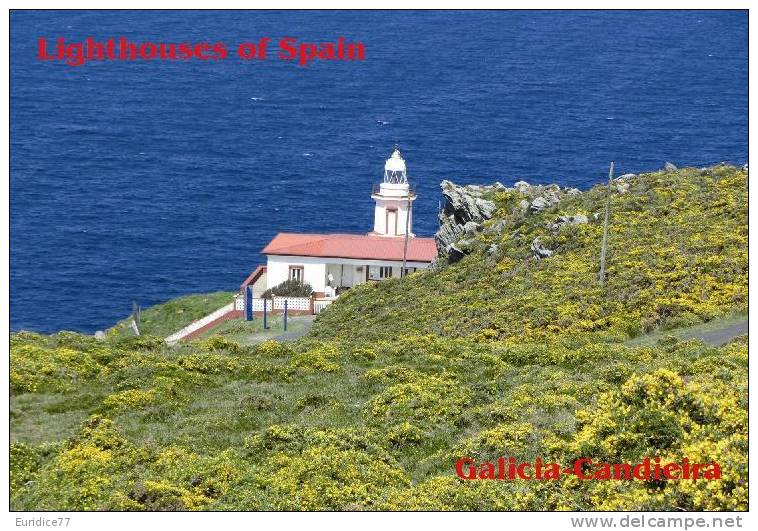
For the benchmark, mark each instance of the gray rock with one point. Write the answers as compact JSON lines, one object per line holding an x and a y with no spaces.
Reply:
{"x":524,"y":204}
{"x":539,"y":204}
{"x":573,"y":191}
{"x":578,"y":219}
{"x":522,"y":186}
{"x":622,"y":187}
{"x":626,"y":177}
{"x":539,"y":250}
{"x":548,"y":199}
{"x":493,"y":249}
{"x":454,"y":254}
{"x":669,"y":167}
{"x":100,"y":335}
{"x":471,"y":228}
{"x":462,"y":206}
{"x":744,"y":168}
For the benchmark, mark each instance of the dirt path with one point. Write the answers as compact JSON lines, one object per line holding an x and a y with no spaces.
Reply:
{"x":713,"y":333}
{"x":302,"y":324}
{"x":720,"y":335}
{"x":289,"y":336}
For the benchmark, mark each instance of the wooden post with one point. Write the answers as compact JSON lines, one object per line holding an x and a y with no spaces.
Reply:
{"x":285,"y":315}
{"x":136,"y":317}
{"x":265,"y":317}
{"x":604,"y":246}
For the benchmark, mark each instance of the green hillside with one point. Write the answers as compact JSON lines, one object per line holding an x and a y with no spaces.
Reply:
{"x":500,"y":354}
{"x":677,"y":255}
{"x":171,"y":316}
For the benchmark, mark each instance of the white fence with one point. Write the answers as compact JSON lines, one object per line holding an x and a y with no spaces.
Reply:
{"x":293,"y":303}
{"x":197,"y":325}
{"x":320,"y":304}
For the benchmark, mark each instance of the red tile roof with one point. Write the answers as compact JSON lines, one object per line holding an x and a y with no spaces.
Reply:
{"x":356,"y":246}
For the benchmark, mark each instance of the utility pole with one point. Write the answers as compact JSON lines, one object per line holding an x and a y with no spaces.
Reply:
{"x":407,"y":224}
{"x":407,"y":227}
{"x":604,"y":246}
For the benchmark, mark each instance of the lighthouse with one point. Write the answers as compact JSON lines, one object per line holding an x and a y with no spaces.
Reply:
{"x":394,"y":198}
{"x":330,"y":263}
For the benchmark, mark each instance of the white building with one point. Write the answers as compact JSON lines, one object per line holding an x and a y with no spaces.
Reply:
{"x":329,"y":262}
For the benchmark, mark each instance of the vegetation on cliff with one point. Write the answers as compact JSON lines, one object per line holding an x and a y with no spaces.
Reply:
{"x":677,"y":256}
{"x":166,"y":318}
{"x":499,"y":354}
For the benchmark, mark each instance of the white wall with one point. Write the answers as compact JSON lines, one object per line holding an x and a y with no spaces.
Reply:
{"x":380,"y":216}
{"x":315,"y":269}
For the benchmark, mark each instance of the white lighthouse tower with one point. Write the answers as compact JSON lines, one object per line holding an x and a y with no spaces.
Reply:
{"x":394,"y":197}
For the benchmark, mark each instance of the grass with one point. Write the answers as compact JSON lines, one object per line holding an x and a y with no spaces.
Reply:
{"x":44,"y":418}
{"x":171,"y":316}
{"x":251,"y":332}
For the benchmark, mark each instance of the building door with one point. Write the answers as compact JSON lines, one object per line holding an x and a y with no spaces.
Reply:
{"x":392,"y":222}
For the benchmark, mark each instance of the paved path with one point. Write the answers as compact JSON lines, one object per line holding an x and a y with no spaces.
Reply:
{"x":302,"y":323}
{"x":720,"y":335}
{"x":307,"y":321}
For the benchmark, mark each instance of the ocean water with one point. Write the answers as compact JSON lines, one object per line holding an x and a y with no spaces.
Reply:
{"x":149,"y":180}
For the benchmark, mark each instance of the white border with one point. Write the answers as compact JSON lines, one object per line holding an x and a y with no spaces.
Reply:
{"x":332,"y":521}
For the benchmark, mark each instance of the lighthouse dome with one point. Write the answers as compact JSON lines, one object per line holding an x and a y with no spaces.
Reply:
{"x":394,"y":169}
{"x":395,"y":162}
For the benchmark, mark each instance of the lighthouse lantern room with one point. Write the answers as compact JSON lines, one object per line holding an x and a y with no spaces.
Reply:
{"x":394,"y":197}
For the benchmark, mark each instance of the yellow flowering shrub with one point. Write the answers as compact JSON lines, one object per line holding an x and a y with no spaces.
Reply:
{"x":500,"y":354}
{"x":130,"y":399}
{"x":35,"y":368}
{"x":425,"y":397}
{"x":329,"y":478}
{"x":319,"y":358}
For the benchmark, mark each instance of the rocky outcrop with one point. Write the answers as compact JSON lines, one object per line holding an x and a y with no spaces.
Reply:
{"x":462,"y":216}
{"x":467,"y":208}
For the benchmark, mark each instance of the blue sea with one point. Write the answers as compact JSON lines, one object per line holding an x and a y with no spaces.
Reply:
{"x":143,"y":181}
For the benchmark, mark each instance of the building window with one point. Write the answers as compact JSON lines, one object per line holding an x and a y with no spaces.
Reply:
{"x":296,"y":273}
{"x":406,"y":271}
{"x":378,"y":272}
